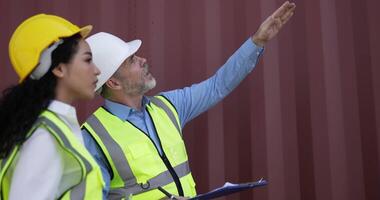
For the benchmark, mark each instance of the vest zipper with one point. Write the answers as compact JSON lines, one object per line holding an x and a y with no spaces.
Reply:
{"x":166,"y":160}
{"x":163,"y":157}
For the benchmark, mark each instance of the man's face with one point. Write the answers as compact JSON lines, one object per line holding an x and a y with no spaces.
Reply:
{"x":135,"y":76}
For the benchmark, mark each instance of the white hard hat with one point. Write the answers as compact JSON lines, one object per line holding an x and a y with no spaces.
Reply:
{"x":108,"y":53}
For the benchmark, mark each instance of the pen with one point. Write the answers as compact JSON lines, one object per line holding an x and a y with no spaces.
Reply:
{"x":166,"y":193}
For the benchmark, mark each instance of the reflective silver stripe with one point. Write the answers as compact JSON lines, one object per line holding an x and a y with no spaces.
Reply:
{"x":78,"y":191}
{"x":65,"y":141}
{"x":117,"y":155}
{"x":160,"y":180}
{"x":158,"y":102}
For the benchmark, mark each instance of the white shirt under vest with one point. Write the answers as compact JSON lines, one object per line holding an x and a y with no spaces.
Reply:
{"x":39,"y":171}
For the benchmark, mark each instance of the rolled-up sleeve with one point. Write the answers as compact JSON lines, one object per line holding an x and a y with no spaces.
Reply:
{"x":192,"y":101}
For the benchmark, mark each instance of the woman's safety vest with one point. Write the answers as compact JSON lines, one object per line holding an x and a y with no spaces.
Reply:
{"x":89,"y":182}
{"x":137,"y":166}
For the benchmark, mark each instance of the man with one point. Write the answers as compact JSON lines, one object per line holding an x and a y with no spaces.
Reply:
{"x":139,"y":142}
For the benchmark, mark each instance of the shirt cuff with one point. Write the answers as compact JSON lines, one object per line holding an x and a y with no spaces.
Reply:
{"x":251,"y":50}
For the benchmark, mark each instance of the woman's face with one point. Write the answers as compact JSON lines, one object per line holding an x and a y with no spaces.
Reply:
{"x":77,"y":79}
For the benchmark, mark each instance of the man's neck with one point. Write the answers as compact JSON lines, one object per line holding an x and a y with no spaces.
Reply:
{"x":134,"y":102}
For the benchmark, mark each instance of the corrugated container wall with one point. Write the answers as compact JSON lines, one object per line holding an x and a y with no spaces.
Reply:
{"x":307,"y":118}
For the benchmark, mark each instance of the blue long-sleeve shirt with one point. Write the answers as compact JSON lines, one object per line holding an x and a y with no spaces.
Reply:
{"x":189,"y":101}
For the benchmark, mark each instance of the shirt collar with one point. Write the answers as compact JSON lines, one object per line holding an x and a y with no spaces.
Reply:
{"x":65,"y":110}
{"x":123,"y":111}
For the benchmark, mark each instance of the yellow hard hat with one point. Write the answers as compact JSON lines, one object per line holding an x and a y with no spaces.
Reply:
{"x":34,"y":35}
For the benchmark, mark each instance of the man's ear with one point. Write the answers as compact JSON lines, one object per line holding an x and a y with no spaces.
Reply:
{"x":113,"y":84}
{"x":60,"y":70}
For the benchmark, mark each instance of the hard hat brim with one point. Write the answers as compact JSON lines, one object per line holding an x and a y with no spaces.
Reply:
{"x":85,"y":31}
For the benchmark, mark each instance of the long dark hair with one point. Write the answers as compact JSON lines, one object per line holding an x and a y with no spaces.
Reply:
{"x":21,"y":104}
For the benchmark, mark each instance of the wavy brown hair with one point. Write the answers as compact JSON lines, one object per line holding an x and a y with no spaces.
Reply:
{"x":20,"y":105}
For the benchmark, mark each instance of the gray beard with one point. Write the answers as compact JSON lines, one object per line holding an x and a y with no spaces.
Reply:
{"x":148,"y":86}
{"x":140,"y":90}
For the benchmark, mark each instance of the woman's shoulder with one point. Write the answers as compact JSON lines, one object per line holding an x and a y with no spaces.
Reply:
{"x":41,"y":141}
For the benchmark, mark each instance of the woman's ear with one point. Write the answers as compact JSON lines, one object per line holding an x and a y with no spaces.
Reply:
{"x":60,"y":70}
{"x":113,"y":83}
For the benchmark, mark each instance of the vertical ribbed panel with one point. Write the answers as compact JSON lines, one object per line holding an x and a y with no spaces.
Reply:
{"x":307,"y":118}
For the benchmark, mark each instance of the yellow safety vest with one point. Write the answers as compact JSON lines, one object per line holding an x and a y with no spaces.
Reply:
{"x":138,"y":168}
{"x":89,"y":185}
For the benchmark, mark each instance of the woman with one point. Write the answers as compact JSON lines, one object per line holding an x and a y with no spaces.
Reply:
{"x":41,"y":147}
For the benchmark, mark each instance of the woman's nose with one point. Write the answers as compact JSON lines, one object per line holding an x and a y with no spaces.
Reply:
{"x":97,"y":71}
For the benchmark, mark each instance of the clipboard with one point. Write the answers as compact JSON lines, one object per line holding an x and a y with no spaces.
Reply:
{"x":230,"y":188}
